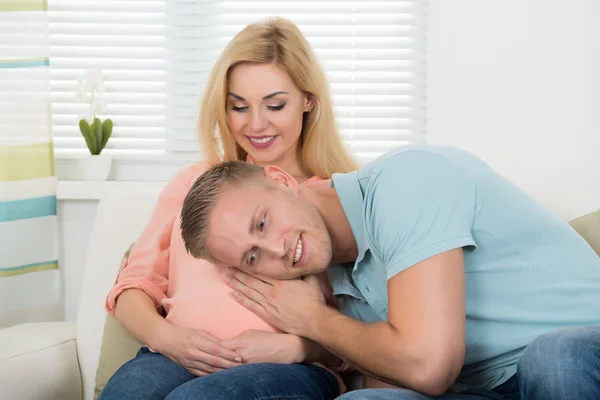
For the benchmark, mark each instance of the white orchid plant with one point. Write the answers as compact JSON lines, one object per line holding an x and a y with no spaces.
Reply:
{"x":90,"y":90}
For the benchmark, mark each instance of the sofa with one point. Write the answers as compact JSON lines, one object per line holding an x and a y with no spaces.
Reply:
{"x":59,"y":360}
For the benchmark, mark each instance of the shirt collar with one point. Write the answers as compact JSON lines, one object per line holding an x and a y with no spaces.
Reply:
{"x":350,"y":194}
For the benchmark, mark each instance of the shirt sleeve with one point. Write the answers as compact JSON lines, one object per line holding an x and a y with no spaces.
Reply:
{"x":418,"y":205}
{"x":147,"y":267}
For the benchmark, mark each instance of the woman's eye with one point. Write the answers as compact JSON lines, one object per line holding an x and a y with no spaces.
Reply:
{"x":238,"y":109}
{"x":276,"y":108}
{"x":261,"y":226}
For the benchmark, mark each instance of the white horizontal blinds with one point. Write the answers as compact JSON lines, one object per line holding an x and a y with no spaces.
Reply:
{"x":193,"y":44}
{"x":126,"y":41}
{"x":373,"y":53}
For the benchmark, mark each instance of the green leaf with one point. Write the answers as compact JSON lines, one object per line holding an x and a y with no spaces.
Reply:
{"x":97,"y":133}
{"x":107,"y":126}
{"x":86,"y":131}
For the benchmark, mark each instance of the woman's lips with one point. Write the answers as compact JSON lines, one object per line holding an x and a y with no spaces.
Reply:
{"x":261,"y":142}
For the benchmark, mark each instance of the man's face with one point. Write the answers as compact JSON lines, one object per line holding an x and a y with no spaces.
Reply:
{"x":268,"y":229}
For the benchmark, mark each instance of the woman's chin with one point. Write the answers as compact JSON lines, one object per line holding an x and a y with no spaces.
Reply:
{"x":264,"y":156}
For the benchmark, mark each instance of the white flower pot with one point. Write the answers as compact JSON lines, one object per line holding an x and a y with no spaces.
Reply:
{"x":95,"y":167}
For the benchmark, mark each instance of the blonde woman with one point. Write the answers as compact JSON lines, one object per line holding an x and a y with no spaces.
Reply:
{"x":267,"y":102}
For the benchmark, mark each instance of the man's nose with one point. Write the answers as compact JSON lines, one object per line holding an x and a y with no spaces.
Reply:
{"x":276,"y":247}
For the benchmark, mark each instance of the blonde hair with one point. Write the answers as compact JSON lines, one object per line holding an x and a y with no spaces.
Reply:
{"x":276,"y":41}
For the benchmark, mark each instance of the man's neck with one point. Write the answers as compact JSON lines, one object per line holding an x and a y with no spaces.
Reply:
{"x":342,"y":238}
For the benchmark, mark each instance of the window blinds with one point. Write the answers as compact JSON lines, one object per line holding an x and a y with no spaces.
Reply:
{"x":156,"y":56}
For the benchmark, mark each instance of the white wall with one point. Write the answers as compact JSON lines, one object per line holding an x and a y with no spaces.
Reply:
{"x":518,"y":83}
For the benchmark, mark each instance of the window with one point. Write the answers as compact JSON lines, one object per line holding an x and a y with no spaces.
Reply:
{"x":156,"y":56}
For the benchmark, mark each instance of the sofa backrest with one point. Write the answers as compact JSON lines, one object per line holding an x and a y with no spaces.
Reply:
{"x":120,"y":218}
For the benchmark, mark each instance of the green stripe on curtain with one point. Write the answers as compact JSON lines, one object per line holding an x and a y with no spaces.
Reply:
{"x":28,"y":62}
{"x":25,"y":269}
{"x":31,"y":161}
{"x":23,"y":5}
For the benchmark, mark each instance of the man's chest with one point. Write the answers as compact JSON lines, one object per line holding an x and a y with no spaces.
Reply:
{"x":361,"y":289}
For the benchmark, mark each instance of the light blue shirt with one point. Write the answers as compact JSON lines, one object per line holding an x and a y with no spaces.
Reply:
{"x":527,"y":272}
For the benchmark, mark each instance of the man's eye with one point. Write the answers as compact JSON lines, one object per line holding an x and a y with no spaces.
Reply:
{"x":261,"y":226}
{"x":252,"y":259}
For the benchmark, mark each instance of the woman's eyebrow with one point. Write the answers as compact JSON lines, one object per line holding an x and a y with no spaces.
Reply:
{"x":273,"y":95}
{"x":237,"y":96}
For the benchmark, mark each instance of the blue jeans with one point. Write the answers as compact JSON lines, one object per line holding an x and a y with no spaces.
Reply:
{"x":153,"y":376}
{"x":563,"y":364}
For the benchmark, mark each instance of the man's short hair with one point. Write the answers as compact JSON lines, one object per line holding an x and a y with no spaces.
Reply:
{"x":202,"y":198}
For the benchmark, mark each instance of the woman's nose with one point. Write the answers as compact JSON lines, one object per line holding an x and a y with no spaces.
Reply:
{"x":258,"y":122}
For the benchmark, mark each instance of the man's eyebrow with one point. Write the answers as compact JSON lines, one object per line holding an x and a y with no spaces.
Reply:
{"x":252,"y":226}
{"x":243,"y":258}
{"x":251,"y":230}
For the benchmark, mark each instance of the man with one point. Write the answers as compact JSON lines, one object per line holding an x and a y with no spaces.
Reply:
{"x":455,"y":282}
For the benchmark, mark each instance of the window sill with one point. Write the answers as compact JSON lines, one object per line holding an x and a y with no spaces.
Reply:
{"x":122,"y":170}
{"x":95,"y":190}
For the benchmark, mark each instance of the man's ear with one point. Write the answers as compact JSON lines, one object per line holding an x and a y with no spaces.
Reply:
{"x":279,"y":176}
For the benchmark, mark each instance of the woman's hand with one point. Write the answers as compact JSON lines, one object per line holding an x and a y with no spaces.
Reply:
{"x":260,"y":346}
{"x":197,"y":351}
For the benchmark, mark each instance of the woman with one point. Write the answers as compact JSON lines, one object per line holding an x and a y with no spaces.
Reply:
{"x":268,"y":102}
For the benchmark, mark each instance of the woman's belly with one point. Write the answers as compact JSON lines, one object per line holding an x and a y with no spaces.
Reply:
{"x":198,"y":298}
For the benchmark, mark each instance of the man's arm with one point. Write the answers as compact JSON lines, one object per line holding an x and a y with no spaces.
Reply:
{"x":420,"y":347}
{"x":422,"y":344}
{"x":315,"y":352}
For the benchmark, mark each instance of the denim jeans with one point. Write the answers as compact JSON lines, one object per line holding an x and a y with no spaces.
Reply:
{"x":153,"y":376}
{"x":562,"y":364}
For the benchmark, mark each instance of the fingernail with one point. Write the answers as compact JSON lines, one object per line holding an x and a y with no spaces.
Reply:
{"x":238,"y":359}
{"x":227,"y":278}
{"x":236,"y":293}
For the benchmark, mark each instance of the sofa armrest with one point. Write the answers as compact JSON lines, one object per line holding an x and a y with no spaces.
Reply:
{"x":39,"y":361}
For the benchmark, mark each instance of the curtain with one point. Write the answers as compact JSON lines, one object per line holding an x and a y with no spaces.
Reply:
{"x":29,"y":276}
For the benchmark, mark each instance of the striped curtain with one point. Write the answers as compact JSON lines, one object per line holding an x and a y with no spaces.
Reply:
{"x":29,"y":277}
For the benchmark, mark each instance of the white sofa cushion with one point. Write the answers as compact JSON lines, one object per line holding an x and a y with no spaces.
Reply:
{"x":39,"y":361}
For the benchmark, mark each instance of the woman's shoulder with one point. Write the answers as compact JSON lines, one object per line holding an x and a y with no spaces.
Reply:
{"x":187,"y":176}
{"x":316,"y":181}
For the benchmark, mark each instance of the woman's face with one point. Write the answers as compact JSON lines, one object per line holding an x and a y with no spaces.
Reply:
{"x":265,"y":111}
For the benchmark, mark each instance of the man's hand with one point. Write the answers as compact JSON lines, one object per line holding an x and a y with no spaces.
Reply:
{"x":260,"y":346}
{"x":197,"y":351}
{"x":287,"y":305}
